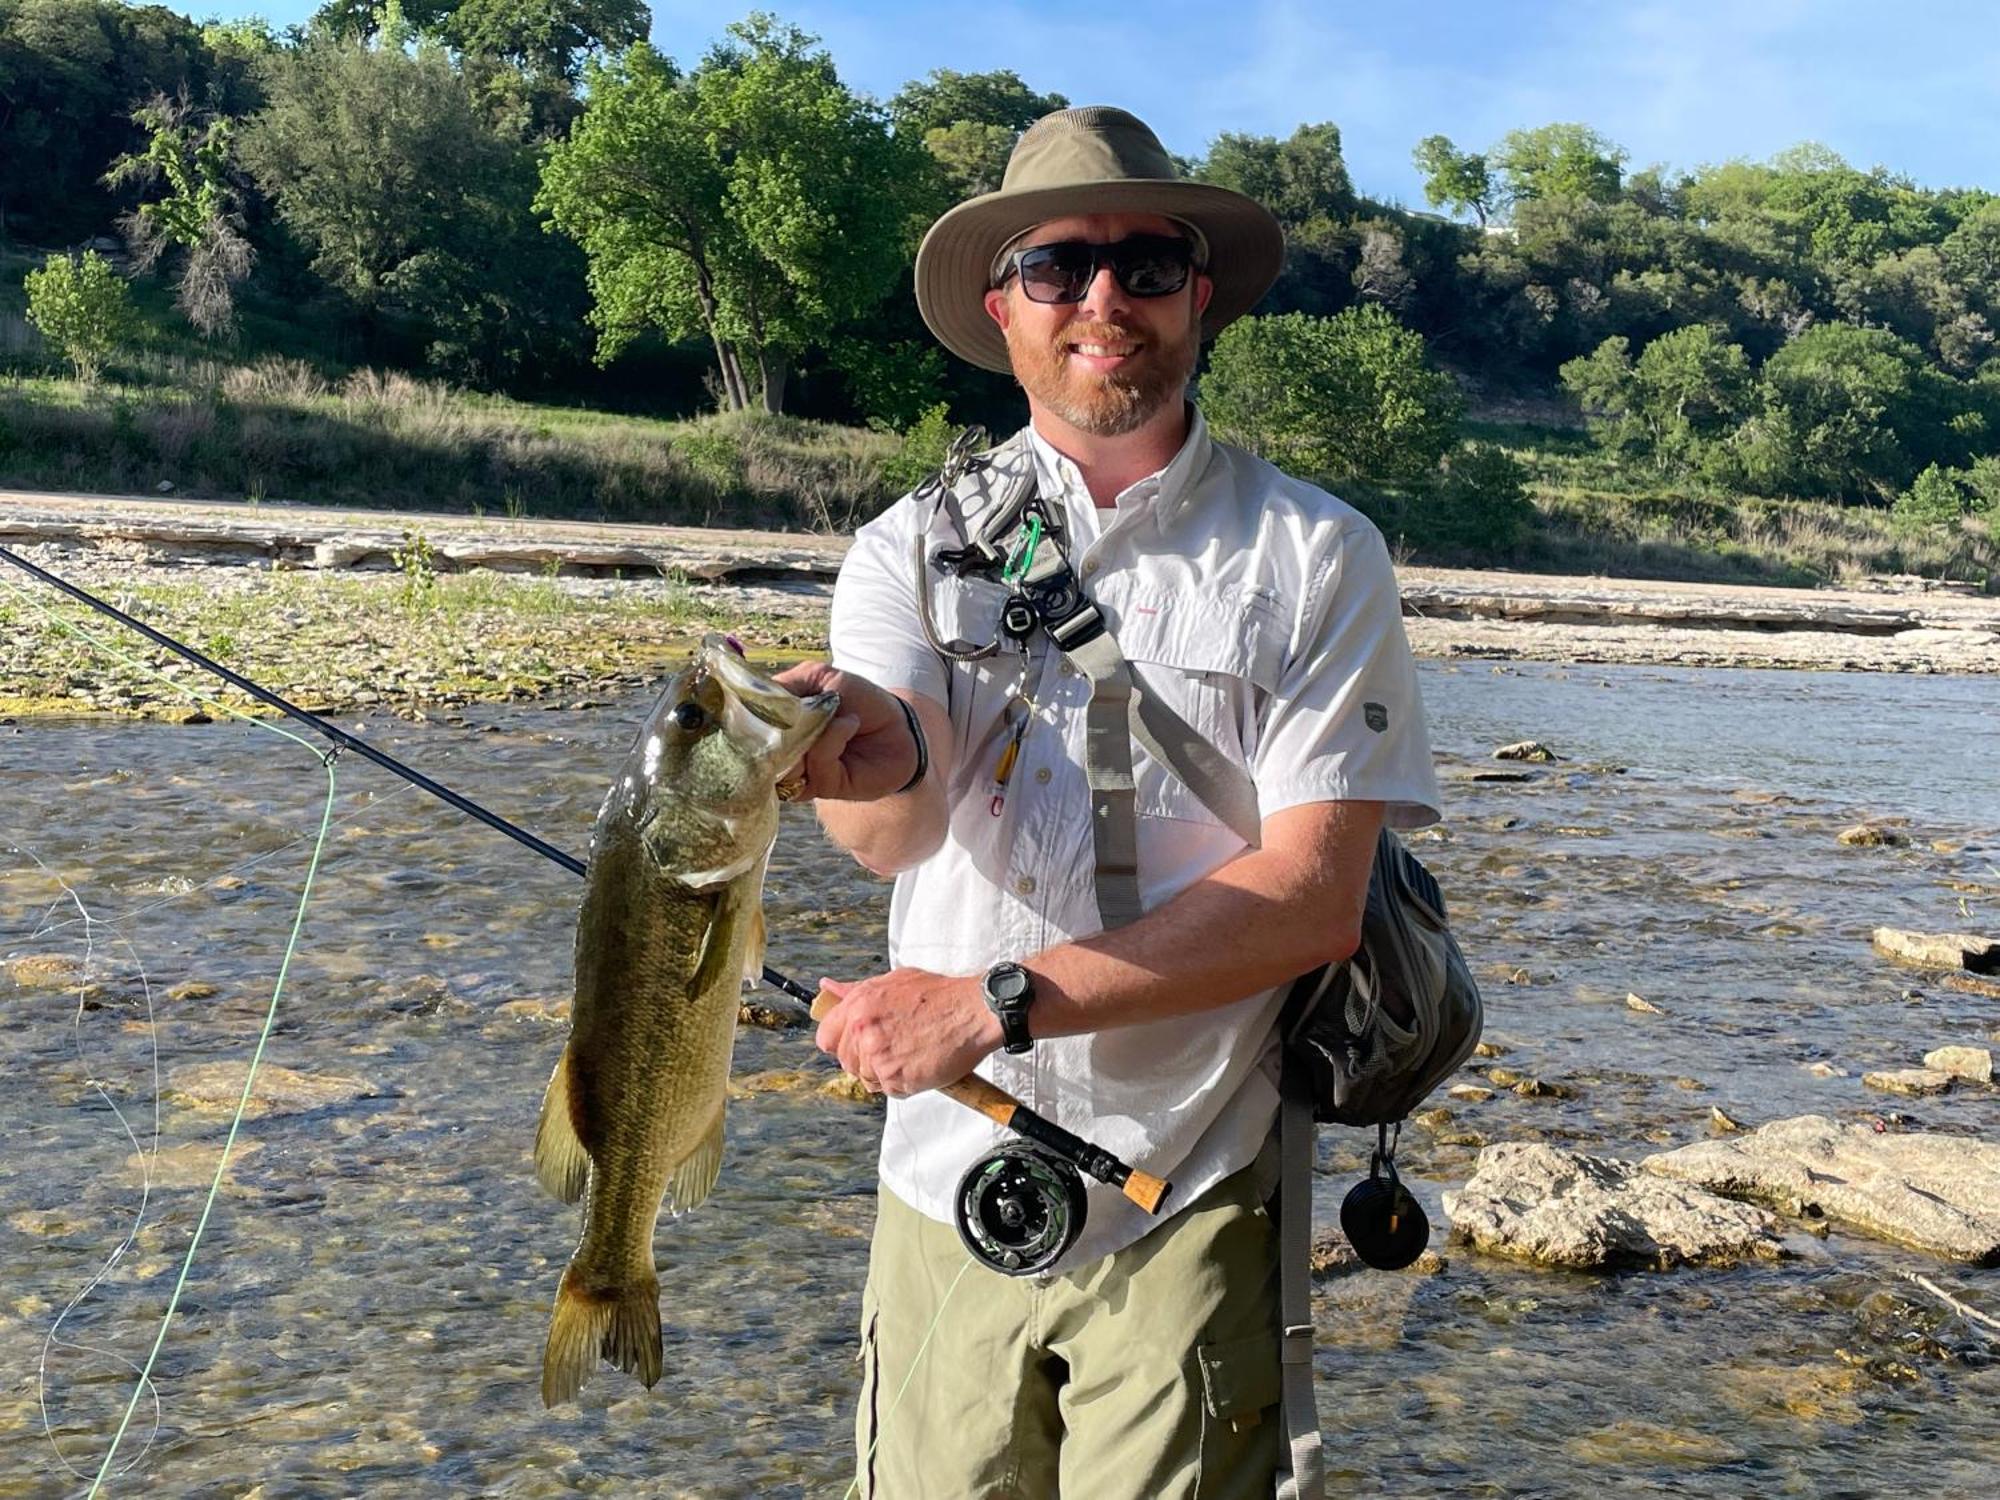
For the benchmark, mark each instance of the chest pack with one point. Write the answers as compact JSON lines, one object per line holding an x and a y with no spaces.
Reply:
{"x":1365,"y":1040}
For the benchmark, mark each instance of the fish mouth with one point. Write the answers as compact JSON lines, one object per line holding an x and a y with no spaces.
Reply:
{"x":786,"y":722}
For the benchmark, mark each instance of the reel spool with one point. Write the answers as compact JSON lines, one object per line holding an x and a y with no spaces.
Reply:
{"x":1019,"y":1208}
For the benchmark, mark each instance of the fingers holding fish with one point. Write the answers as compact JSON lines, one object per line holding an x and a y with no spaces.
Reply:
{"x":875,"y":757}
{"x":908,"y":1030}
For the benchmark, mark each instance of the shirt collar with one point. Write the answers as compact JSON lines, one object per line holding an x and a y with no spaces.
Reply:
{"x":1166,"y":492}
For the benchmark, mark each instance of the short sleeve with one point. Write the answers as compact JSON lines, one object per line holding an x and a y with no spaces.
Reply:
{"x":875,"y":629}
{"x":1346,"y":722}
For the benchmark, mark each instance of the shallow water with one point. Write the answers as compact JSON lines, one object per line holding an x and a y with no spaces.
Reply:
{"x":368,"y":1308}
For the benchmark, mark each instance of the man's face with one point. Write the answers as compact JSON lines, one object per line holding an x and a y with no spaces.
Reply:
{"x":1107,"y":364}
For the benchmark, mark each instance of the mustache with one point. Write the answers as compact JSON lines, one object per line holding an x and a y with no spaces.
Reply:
{"x":1098,"y":333}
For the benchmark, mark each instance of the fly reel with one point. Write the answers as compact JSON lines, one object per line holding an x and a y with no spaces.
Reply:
{"x":1019,"y":1208}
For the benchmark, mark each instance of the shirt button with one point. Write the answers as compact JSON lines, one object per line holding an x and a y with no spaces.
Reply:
{"x":1090,"y":565}
{"x":1043,"y":775}
{"x":1025,"y":885}
{"x":1066,"y":669}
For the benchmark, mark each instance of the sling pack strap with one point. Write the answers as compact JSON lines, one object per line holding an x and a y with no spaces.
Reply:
{"x":1305,"y":1478}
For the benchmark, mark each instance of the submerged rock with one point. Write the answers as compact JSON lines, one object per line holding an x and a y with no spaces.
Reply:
{"x":1873,"y":836}
{"x":1563,"y":1208}
{"x":1939,"y":950}
{"x":1919,"y":1081}
{"x":1937,"y":1193}
{"x":277,"y":1090}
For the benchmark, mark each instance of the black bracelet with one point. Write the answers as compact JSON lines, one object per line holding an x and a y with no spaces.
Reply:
{"x":923,"y":750}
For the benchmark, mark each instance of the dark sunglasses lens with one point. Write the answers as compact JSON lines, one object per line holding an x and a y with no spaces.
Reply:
{"x":1057,"y":273}
{"x":1150,"y":267}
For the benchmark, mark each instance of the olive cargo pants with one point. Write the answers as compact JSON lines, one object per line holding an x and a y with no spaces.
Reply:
{"x":1150,"y":1374}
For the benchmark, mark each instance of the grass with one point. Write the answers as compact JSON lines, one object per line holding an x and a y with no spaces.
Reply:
{"x":327,"y":639}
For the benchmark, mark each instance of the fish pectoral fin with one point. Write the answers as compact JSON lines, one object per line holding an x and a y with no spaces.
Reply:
{"x":561,"y":1164}
{"x":708,"y":880}
{"x":694,"y":1178}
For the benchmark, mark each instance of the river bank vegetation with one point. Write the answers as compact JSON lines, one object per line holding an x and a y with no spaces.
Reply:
{"x":513,"y":259}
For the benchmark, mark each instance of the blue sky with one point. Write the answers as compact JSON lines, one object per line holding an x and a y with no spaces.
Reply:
{"x":1911,"y":87}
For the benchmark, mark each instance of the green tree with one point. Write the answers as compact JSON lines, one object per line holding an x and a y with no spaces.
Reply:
{"x":756,"y":201}
{"x":201,"y":214}
{"x":1454,"y":179}
{"x":1857,"y":412}
{"x":1303,"y":181}
{"x":382,"y":162}
{"x":83,"y":307}
{"x":1552,"y":161}
{"x":70,"y":73}
{"x":1687,"y":390}
{"x":1347,"y":397}
{"x":947,"y":98}
{"x":968,"y":122}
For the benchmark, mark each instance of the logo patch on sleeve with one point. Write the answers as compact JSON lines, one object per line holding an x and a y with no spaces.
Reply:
{"x":1375,"y":716}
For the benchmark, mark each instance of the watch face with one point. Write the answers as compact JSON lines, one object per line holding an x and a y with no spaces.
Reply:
{"x":1007,"y":982}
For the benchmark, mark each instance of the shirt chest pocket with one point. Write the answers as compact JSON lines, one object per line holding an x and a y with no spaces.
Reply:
{"x":1212,"y":661}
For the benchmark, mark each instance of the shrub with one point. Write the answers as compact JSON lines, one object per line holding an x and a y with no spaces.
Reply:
{"x":1479,"y":504}
{"x":922,"y":453}
{"x":1346,"y":397}
{"x":83,"y":308}
{"x":1937,"y":497}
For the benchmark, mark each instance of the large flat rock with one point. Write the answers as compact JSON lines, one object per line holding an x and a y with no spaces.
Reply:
{"x":1937,"y":1193}
{"x":1563,"y":1208}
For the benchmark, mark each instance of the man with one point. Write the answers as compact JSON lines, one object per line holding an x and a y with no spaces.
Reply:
{"x":1144,"y":1364}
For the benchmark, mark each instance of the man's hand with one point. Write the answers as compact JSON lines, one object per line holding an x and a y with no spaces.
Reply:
{"x":865,"y":753}
{"x":908,"y":1030}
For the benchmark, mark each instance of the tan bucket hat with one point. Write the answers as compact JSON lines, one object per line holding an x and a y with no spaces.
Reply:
{"x":1094,"y":160}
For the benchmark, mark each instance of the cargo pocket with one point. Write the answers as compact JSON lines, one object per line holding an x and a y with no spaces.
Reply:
{"x":1240,"y":1430}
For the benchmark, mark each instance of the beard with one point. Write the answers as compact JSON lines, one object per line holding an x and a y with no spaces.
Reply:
{"x":1114,"y":402}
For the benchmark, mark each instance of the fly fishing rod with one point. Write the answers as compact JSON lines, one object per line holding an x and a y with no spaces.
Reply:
{"x":1018,"y":1209}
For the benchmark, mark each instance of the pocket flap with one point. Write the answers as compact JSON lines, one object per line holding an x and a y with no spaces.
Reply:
{"x":1240,"y":1377}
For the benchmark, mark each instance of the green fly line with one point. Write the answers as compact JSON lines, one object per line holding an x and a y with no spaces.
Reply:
{"x":861,"y":1462}
{"x":326,"y":760}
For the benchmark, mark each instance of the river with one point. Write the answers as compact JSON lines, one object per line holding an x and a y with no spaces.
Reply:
{"x":367,"y":1312}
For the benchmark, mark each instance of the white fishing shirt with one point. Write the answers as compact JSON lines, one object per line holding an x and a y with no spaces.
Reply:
{"x":1265,"y":611}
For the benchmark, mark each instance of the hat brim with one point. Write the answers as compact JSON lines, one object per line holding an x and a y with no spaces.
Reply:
{"x":1246,"y":250}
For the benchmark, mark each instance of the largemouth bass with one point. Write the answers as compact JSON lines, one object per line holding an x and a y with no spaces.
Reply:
{"x":672,"y":921}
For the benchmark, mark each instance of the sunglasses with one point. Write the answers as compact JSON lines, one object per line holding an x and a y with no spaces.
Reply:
{"x":1146,"y":265}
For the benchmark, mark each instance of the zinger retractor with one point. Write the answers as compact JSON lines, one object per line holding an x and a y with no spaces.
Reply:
{"x":1019,"y":1208}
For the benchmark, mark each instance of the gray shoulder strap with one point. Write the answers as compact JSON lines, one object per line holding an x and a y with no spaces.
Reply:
{"x":1305,"y":1474}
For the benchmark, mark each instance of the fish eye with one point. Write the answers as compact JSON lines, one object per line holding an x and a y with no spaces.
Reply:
{"x":690,"y":717}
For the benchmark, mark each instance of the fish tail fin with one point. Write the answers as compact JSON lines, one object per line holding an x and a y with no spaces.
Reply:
{"x":562,"y":1166}
{"x":620,"y":1323}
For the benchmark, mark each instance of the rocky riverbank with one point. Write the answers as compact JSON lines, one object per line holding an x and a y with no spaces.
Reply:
{"x":418,"y":612}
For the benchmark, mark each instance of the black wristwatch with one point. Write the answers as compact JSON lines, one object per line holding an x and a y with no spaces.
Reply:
{"x":1009,"y":991}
